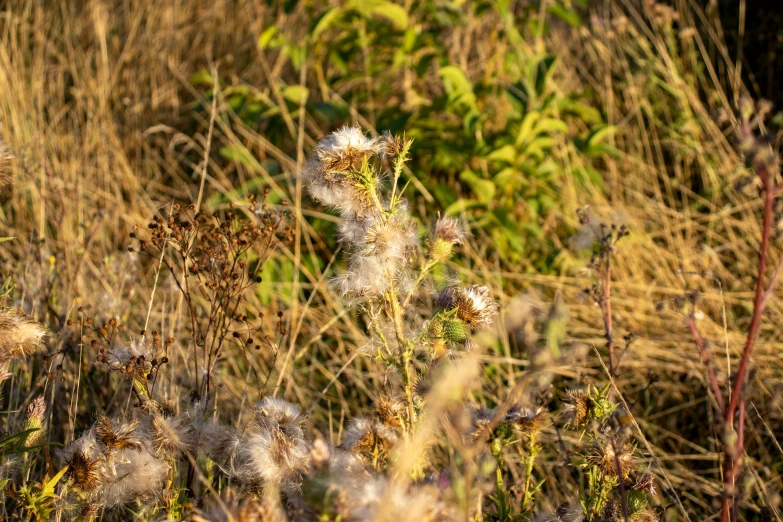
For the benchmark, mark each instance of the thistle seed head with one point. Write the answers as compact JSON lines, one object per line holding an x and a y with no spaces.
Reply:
{"x":576,"y":409}
{"x":20,"y":335}
{"x":473,"y":305}
{"x":612,"y":462}
{"x":117,"y":434}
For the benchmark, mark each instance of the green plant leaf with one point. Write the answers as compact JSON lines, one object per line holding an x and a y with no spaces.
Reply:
{"x":266,"y":37}
{"x":48,"y":488}
{"x":296,"y":94}
{"x":526,"y":129}
{"x":569,"y":16}
{"x":325,"y":21}
{"x":396,"y":14}
{"x":550,"y":125}
{"x":506,"y":153}
{"x":483,"y":188}
{"x":462,"y":205}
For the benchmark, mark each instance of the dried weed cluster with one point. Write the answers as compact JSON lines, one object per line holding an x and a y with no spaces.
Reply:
{"x":433,"y":447}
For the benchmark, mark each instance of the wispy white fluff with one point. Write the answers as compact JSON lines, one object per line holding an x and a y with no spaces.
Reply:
{"x":132,"y":474}
{"x":348,"y":138}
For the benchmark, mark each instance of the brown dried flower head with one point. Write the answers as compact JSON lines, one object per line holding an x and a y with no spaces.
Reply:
{"x":474,"y":305}
{"x":527,"y":420}
{"x":646,"y":483}
{"x":576,"y":409}
{"x":20,"y":335}
{"x":82,"y":471}
{"x":612,"y":459}
{"x":117,"y":434}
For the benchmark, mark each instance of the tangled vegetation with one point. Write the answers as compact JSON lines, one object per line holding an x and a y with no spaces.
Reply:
{"x":368,"y":260}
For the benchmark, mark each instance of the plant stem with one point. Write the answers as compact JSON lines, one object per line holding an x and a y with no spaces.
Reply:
{"x":705,"y":358}
{"x":394,"y":311}
{"x":730,"y":464}
{"x":607,"y":311}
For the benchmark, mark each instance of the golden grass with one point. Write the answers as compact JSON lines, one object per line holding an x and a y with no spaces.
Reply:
{"x":96,"y":105}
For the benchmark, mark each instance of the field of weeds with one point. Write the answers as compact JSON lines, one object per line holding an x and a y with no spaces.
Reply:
{"x":387,"y":260}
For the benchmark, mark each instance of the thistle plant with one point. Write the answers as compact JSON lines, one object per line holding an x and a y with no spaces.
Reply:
{"x":387,"y":262}
{"x":615,"y":489}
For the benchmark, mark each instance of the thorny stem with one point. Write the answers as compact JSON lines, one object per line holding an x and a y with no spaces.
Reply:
{"x":530,"y":460}
{"x":394,"y":311}
{"x":731,"y":465}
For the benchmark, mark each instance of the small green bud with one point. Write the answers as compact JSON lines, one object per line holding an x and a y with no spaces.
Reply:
{"x":455,"y":331}
{"x":441,"y":250}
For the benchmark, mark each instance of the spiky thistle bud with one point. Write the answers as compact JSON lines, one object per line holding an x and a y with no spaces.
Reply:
{"x":83,"y":471}
{"x":35,"y":420}
{"x":448,"y":234}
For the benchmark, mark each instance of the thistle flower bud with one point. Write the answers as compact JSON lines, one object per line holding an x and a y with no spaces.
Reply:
{"x":446,"y":326}
{"x":448,"y":234}
{"x":35,"y":420}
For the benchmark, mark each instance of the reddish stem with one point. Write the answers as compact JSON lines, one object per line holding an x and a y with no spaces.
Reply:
{"x":705,"y":358}
{"x":730,"y":466}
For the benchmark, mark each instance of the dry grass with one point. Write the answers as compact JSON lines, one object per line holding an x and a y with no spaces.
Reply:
{"x":97,"y":107}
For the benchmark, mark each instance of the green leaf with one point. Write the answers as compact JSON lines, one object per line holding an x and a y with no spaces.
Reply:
{"x":455,"y":80}
{"x":396,"y":14}
{"x":506,"y":153}
{"x":600,"y":133}
{"x":266,"y":37}
{"x":458,"y":86}
{"x":550,"y":125}
{"x":569,"y":16}
{"x":9,"y":238}
{"x":483,"y":188}
{"x":325,"y":21}
{"x":48,"y":488}
{"x":462,"y":205}
{"x":296,"y":94}
{"x":202,"y":77}
{"x":526,"y":129}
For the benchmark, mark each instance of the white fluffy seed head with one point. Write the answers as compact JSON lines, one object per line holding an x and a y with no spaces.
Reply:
{"x":20,"y":335}
{"x":347,"y":139}
{"x":131,"y":475}
{"x":327,"y":173}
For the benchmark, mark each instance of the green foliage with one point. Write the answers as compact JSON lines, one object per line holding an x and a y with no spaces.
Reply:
{"x":487,"y":136}
{"x":38,"y":499}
